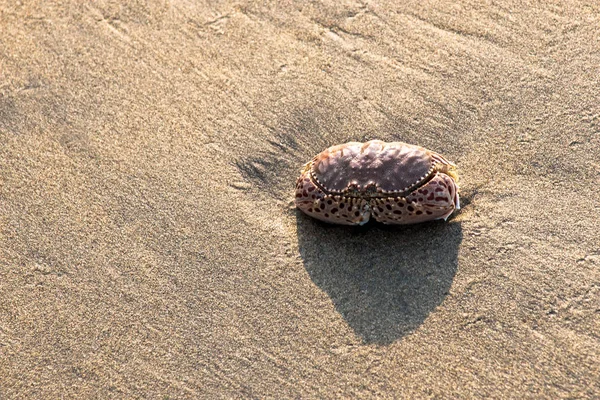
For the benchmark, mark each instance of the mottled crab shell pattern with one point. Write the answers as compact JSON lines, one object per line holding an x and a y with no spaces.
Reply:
{"x":396,"y":183}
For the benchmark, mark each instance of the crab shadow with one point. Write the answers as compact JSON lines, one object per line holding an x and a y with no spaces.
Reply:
{"x":384,"y":281}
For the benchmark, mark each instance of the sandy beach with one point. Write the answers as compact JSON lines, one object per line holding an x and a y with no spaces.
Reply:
{"x":150,"y":248}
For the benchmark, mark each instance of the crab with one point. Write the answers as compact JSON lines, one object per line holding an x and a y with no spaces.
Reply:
{"x":396,"y":183}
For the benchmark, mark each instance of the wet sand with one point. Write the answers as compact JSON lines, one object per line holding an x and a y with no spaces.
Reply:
{"x":149,"y":247}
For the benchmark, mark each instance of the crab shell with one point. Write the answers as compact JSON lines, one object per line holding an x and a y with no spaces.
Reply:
{"x":396,"y":183}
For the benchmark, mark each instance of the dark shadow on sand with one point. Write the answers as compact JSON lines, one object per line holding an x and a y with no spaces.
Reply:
{"x":384,"y":281}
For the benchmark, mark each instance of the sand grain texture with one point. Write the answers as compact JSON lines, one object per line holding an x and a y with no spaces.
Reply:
{"x":148,"y":152}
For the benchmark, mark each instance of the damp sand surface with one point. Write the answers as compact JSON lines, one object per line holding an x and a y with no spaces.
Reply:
{"x":149,"y":247}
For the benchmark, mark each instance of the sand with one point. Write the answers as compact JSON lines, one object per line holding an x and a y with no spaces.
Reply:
{"x":149,"y":247}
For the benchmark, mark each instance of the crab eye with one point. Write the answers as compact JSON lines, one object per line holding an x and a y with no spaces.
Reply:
{"x":352,"y":188}
{"x":371,"y":188}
